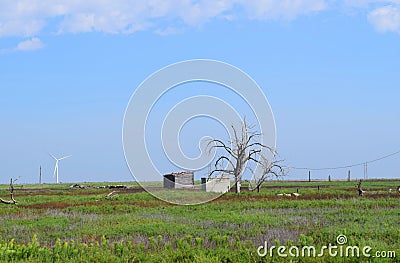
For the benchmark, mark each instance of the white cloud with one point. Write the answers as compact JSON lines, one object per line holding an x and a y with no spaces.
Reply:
{"x":383,"y":15}
{"x":284,"y":9}
{"x":386,"y":18}
{"x":29,"y":45}
{"x":21,"y":27}
{"x":30,"y":17}
{"x":367,"y":3}
{"x":26,"y":45}
{"x":168,"y":31}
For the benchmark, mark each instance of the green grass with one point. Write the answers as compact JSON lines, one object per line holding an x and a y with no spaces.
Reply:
{"x":56,"y":223}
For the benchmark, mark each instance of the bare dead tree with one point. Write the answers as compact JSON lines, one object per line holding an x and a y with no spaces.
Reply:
{"x":270,"y":168}
{"x":12,"y":201}
{"x":244,"y":148}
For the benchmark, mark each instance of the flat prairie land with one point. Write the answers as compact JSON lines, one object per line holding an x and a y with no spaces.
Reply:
{"x":57,"y":223}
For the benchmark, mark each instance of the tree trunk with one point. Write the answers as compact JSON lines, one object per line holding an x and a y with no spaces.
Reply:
{"x":237,"y":186}
{"x":258,"y":188}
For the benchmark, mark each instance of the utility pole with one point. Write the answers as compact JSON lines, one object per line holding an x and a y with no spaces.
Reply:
{"x":309,"y":176}
{"x":348,"y":176}
{"x":365,"y":171}
{"x":40,"y":175}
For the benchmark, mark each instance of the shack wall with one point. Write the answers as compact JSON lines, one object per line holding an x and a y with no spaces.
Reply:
{"x":179,"y":180}
{"x":217,"y":185}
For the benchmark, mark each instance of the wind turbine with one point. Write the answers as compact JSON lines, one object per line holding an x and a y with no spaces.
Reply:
{"x":56,"y":167}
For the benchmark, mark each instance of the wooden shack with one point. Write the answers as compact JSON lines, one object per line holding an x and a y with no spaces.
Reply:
{"x":179,"y":180}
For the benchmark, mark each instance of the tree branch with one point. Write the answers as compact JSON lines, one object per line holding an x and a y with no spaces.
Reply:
{"x":223,"y":158}
{"x":222,"y":145}
{"x":252,"y":136}
{"x":220,"y":170}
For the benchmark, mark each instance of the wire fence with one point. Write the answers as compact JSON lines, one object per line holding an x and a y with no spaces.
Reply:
{"x":364,"y":164}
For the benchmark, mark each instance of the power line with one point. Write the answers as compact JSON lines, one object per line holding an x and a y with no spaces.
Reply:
{"x":344,"y":166}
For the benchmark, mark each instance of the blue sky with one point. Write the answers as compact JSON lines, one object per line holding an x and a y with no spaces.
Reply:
{"x":330,"y":70}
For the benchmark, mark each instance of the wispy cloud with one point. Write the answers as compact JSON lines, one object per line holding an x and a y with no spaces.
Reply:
{"x":383,"y":15}
{"x":386,"y":18}
{"x":30,"y":44}
{"x":30,"y":17}
{"x":283,"y":9}
{"x":168,"y":31}
{"x":26,"y":45}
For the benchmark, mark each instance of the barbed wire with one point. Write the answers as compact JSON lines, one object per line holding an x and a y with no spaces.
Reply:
{"x":344,"y":166}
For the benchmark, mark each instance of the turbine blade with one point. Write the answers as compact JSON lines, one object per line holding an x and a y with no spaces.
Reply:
{"x":53,"y":156}
{"x":65,"y":157}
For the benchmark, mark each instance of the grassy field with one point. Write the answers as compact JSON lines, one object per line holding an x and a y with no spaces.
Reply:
{"x":56,"y":223}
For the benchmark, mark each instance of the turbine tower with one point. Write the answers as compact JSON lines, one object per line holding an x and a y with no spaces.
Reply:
{"x":56,"y":167}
